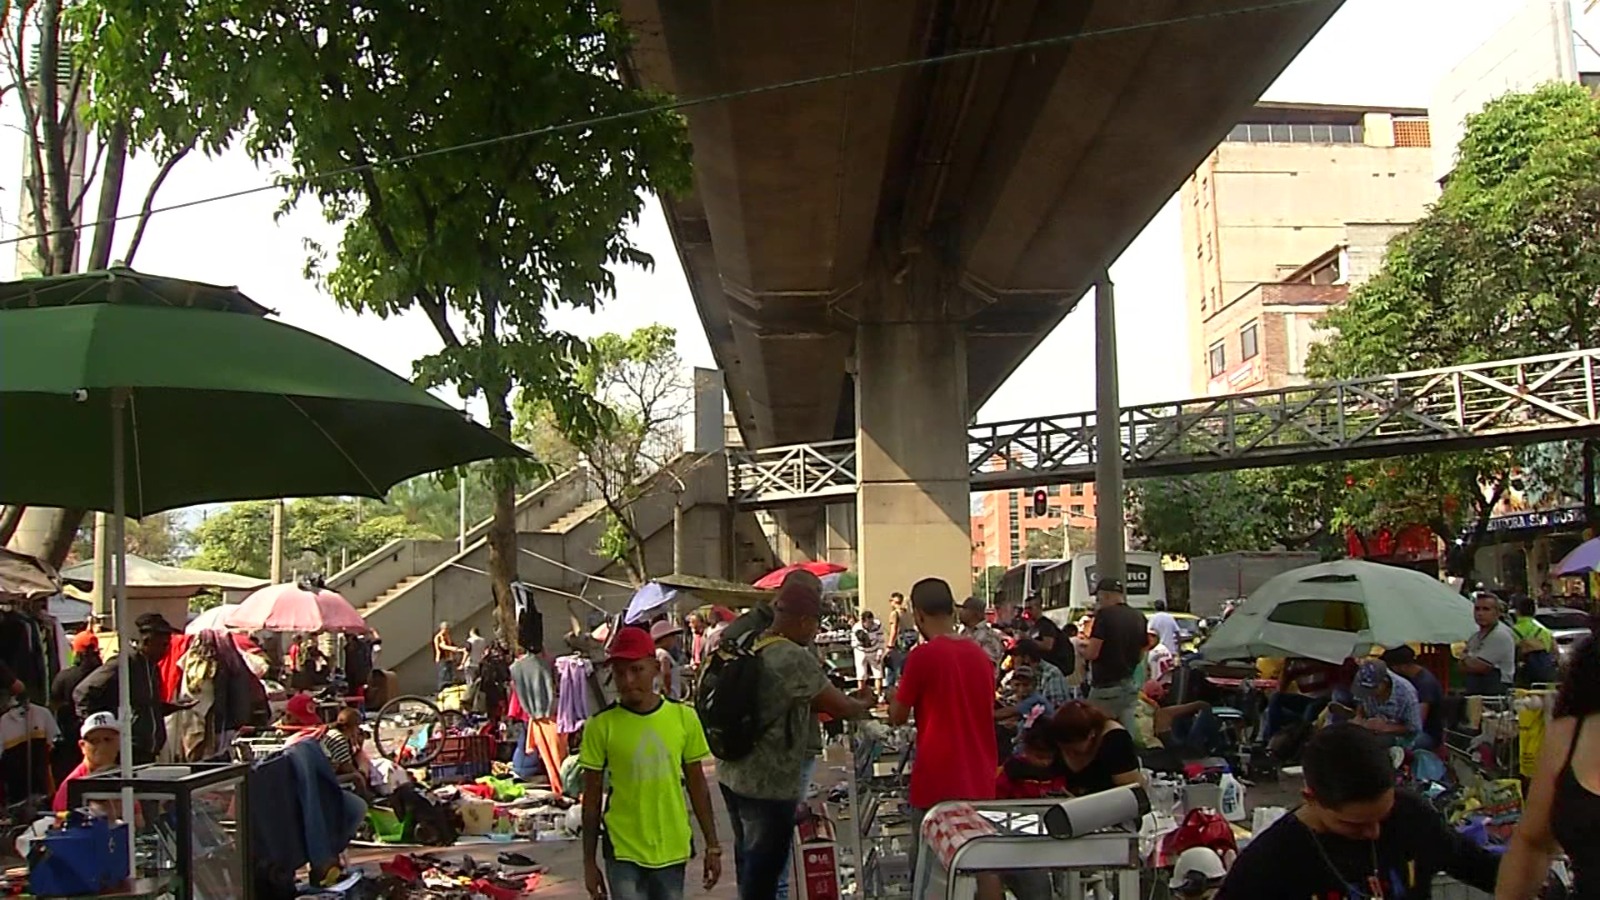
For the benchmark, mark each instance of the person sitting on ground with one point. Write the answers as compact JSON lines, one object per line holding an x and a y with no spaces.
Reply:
{"x":1098,"y":752}
{"x":1306,"y":688}
{"x":1387,"y":703}
{"x":1033,"y":770}
{"x":1019,"y":707}
{"x":1050,"y":680}
{"x":1402,"y":661}
{"x":1355,"y":836}
{"x":1187,"y":730}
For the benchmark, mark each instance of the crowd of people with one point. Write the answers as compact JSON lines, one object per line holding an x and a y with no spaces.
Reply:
{"x":1015,"y":705}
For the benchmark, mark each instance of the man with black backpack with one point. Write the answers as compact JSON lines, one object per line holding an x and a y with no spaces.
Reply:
{"x":758,"y":702}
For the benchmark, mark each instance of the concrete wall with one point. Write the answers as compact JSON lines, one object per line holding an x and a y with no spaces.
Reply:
{"x":1253,"y":212}
{"x":386,"y":567}
{"x":1534,"y":47}
{"x":458,"y":590}
{"x":372,"y":575}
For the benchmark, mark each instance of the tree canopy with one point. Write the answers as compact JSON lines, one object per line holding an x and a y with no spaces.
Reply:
{"x":639,"y":383}
{"x":483,"y":166}
{"x":1506,"y":263}
{"x":320,"y":534}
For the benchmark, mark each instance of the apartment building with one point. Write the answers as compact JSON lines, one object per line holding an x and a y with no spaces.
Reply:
{"x":1278,"y":218}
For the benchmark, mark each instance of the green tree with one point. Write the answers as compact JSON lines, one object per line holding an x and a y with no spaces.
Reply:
{"x":1057,"y":543}
{"x":236,"y":538}
{"x":159,"y":537}
{"x":1506,"y":263}
{"x":986,"y":582}
{"x":319,"y":533}
{"x":1219,"y":512}
{"x":485,"y":242}
{"x":638,"y":382}
{"x":72,"y":173}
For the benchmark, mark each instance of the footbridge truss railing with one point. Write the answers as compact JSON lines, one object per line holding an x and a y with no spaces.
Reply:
{"x":1501,"y":403}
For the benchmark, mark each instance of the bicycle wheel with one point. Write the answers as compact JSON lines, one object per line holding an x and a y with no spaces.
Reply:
{"x":408,"y":731}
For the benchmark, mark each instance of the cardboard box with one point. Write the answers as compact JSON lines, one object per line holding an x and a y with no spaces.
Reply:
{"x":814,"y":873}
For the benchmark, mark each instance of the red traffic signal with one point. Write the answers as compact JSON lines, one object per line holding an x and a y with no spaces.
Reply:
{"x":1041,"y":502}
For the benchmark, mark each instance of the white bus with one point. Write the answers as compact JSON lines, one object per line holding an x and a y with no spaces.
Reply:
{"x":1065,"y":588}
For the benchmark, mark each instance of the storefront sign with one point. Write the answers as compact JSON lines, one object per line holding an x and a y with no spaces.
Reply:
{"x":1551,"y":519}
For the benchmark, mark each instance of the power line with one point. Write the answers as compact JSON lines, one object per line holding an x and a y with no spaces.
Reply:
{"x":675,"y":105}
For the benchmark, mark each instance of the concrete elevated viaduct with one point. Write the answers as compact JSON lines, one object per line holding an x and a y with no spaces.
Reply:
{"x":872,"y":256}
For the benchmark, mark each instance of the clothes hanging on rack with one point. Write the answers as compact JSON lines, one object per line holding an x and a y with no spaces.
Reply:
{"x":27,"y":733}
{"x":29,"y":646}
{"x":572,"y":692}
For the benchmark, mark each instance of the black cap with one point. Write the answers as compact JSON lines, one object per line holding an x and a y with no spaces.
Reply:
{"x":1108,"y":584}
{"x":153,"y":623}
{"x":1399,"y":656}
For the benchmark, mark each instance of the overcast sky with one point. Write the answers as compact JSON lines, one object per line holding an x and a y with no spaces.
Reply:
{"x":1379,"y":52}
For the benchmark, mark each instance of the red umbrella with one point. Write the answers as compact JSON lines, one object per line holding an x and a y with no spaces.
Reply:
{"x":772,"y":580}
{"x":303,"y":606}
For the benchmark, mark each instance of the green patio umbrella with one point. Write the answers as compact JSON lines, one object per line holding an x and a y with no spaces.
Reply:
{"x":215,"y":406}
{"x":1336,"y":610}
{"x":134,"y":394}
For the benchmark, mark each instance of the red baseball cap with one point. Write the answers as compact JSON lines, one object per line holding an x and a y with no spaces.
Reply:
{"x":631,"y":643}
{"x":302,"y":710}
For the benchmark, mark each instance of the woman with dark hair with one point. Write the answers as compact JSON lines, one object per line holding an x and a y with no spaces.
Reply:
{"x":1096,"y":751}
{"x":1563,"y":808}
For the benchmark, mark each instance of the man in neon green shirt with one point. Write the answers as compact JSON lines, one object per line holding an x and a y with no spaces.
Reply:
{"x":650,"y":748}
{"x":1535,"y":644}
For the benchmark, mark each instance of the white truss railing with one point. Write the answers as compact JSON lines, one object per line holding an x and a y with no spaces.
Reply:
{"x":1500,"y":403}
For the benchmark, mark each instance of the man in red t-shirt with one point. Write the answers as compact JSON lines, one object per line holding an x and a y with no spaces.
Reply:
{"x":948,"y":682}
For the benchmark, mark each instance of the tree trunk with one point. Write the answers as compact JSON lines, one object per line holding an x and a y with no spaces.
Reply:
{"x":105,"y":215}
{"x":47,"y":533}
{"x":503,"y":528}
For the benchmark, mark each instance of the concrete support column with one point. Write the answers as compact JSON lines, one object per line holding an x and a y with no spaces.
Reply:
{"x":841,"y":534}
{"x":912,"y":506}
{"x":799,"y":537}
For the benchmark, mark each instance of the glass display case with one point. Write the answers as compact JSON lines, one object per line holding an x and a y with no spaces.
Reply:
{"x":189,"y":824}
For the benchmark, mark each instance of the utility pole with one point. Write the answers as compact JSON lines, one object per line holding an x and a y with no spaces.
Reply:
{"x":461,"y":511}
{"x":102,"y":568}
{"x":275,"y":570}
{"x":1110,"y":560}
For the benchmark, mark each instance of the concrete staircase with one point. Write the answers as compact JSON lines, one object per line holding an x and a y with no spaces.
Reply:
{"x":407,"y":587}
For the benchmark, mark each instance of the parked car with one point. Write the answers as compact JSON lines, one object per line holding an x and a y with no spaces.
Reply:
{"x":1569,"y":626}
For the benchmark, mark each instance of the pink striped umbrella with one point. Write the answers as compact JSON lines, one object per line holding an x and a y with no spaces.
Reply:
{"x":302,"y":607}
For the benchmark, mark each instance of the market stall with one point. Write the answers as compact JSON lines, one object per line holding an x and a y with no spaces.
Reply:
{"x":286,"y":413}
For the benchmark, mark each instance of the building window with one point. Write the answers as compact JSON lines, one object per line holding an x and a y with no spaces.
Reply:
{"x":1076,"y":489}
{"x":1219,"y":359}
{"x":1248,"y":346}
{"x":1077,"y":509}
{"x":1055,"y":511}
{"x":1412,"y":132}
{"x":1297,"y":133}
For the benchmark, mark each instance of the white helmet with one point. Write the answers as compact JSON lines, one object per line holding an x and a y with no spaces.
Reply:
{"x":1197,"y":869}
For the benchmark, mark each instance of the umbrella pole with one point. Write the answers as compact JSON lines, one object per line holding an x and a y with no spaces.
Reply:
{"x":119,"y":522}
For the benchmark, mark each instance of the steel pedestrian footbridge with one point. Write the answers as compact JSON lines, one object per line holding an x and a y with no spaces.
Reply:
{"x":1493,"y":404}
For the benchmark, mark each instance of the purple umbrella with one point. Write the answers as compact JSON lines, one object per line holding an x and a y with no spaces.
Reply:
{"x":1583,"y":559}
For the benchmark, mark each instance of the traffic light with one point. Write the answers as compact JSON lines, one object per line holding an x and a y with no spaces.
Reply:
{"x":1041,"y":502}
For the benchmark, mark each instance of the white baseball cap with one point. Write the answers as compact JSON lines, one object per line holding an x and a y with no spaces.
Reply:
{"x":100,"y":721}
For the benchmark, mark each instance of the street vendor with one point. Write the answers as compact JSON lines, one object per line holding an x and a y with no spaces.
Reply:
{"x":1491,"y":657}
{"x":1388,"y":704}
{"x":1355,"y":836}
